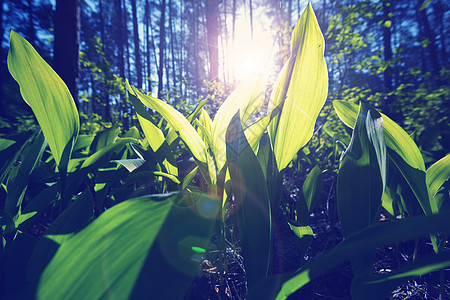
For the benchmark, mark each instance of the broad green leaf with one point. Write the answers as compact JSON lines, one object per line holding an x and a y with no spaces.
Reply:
{"x":189,"y":177}
{"x":246,"y":98}
{"x":361,"y":180}
{"x":254,"y":132}
{"x":396,"y":138}
{"x":312,"y":187}
{"x":177,"y":121}
{"x":137,"y":248}
{"x":416,"y":180}
{"x":154,"y":135}
{"x":365,"y":240}
{"x":437,"y":174}
{"x":252,"y":199}
{"x":362,"y":173}
{"x":300,"y":90}
{"x":46,"y":93}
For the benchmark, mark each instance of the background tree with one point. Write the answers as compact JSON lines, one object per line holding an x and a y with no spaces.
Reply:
{"x":67,"y":41}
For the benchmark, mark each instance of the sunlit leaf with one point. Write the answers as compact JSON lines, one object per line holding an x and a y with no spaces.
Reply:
{"x":47,"y":95}
{"x":137,"y":248}
{"x":437,"y":174}
{"x":246,"y":99}
{"x":396,"y":138}
{"x":300,"y":90}
{"x":177,"y":121}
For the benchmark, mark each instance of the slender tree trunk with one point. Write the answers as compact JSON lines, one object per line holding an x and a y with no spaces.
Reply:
{"x":289,"y":13}
{"x":196,"y":46}
{"x":123,"y":105}
{"x":102,"y":24}
{"x":162,"y":46}
{"x":387,"y":46}
{"x":212,"y":26}
{"x":148,"y":48}
{"x":67,"y":41}
{"x":137,"y":51}
{"x":251,"y":17}
{"x":439,"y":13}
{"x":172,"y":43}
{"x":431,"y":47}
{"x":127,"y":48}
{"x":31,"y":30}
{"x":119,"y":38}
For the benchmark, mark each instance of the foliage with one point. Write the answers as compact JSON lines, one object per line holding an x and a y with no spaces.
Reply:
{"x":130,"y":217}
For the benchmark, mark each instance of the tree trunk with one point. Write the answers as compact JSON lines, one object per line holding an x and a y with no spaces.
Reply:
{"x":431,"y":45}
{"x":387,"y":45}
{"x":127,"y":48}
{"x":147,"y":44}
{"x":67,"y":41}
{"x":137,"y":54}
{"x":251,"y":17}
{"x":172,"y":43}
{"x":31,"y":30}
{"x":162,"y":46}
{"x":212,"y":26}
{"x":439,"y":13}
{"x":119,"y":38}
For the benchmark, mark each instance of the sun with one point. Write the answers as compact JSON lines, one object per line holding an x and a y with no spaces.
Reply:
{"x":248,"y":57}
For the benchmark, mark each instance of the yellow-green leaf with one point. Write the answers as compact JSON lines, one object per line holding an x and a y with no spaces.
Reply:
{"x":46,"y":94}
{"x":247,"y":98}
{"x":300,"y":91}
{"x":177,"y":121}
{"x":396,"y":138}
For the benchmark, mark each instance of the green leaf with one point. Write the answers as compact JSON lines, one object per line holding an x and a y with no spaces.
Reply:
{"x":177,"y":121}
{"x":396,"y":138}
{"x":246,"y":99}
{"x":18,"y":185}
{"x":300,"y":90}
{"x":437,"y":174}
{"x":108,"y":150}
{"x":252,"y":197}
{"x":416,"y":180}
{"x":46,"y":93}
{"x":301,"y":231}
{"x":312,"y":187}
{"x":362,"y":180}
{"x":137,"y":248}
{"x":362,"y":173}
{"x":154,"y":135}
{"x":104,"y":138}
{"x":131,"y":164}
